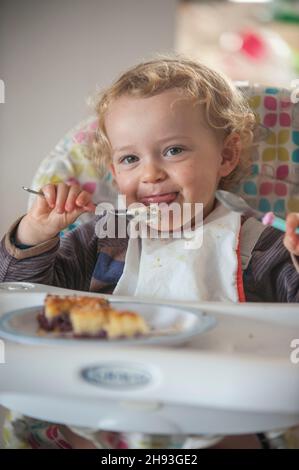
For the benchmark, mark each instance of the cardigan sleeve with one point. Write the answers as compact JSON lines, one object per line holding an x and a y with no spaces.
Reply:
{"x":272,"y":274}
{"x":62,"y":262}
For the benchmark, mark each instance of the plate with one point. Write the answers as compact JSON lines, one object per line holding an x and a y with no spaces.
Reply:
{"x":169,"y":325}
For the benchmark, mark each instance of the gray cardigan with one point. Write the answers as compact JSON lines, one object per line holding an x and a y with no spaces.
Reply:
{"x":82,"y":261}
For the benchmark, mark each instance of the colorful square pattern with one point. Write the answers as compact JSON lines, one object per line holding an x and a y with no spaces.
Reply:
{"x":274,"y":181}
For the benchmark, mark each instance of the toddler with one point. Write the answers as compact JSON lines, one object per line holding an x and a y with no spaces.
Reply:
{"x":171,"y":131}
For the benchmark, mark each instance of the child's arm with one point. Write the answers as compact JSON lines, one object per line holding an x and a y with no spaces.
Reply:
{"x":63,"y":262}
{"x":272,"y":274}
{"x":66,"y":262}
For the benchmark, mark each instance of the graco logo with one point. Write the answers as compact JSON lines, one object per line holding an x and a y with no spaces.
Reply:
{"x":117,"y":376}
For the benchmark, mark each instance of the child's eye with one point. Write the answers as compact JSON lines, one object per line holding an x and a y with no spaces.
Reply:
{"x":173,"y":151}
{"x":128,"y":159}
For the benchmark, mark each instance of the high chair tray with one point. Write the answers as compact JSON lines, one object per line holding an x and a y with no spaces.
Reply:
{"x":241,"y":376}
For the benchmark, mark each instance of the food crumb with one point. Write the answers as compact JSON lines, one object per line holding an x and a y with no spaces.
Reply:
{"x":157,"y":263}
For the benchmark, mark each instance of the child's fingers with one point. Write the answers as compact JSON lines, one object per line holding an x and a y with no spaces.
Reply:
{"x":49,"y":191}
{"x":84,"y":199}
{"x":292,"y":222}
{"x":74,"y":191}
{"x":66,"y":198}
{"x":291,"y":239}
{"x":90,"y":207}
{"x":289,"y":243}
{"x":61,"y":197}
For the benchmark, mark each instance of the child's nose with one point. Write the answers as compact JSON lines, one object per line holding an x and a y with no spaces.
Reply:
{"x":152,"y":172}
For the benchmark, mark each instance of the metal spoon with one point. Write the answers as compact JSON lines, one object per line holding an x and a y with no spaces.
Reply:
{"x":38,"y":193}
{"x":142,"y":212}
{"x":237,"y":204}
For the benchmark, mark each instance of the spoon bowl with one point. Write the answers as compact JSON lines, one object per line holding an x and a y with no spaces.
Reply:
{"x":237,"y":204}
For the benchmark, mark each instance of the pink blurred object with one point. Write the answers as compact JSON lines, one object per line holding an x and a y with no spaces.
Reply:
{"x":268,"y":218}
{"x":253,"y":45}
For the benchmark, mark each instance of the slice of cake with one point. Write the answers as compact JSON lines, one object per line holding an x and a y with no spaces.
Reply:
{"x":125,"y":324}
{"x":89,"y":317}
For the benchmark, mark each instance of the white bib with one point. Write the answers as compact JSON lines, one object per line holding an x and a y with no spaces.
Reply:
{"x":167,"y":269}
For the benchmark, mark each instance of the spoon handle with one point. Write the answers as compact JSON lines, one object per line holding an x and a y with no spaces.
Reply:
{"x":276,"y":222}
{"x":29,"y":190}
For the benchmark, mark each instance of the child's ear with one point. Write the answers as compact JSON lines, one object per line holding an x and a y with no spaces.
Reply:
{"x":112,"y":170}
{"x":230,"y":154}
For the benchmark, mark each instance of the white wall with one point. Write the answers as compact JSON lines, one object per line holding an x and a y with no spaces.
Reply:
{"x":53,"y":53}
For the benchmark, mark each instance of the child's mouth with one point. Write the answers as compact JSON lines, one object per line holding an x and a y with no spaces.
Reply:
{"x":159,"y":198}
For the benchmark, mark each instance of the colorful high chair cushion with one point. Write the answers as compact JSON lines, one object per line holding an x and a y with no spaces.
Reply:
{"x":274,"y":182}
{"x":68,"y":162}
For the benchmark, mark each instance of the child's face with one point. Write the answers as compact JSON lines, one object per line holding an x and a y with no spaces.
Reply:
{"x":162,"y":150}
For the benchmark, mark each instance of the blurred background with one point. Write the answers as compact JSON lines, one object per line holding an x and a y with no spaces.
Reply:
{"x":55,"y":54}
{"x":255,"y":41}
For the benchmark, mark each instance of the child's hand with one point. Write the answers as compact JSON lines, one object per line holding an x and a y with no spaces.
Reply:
{"x":291,"y":239}
{"x":60,"y":207}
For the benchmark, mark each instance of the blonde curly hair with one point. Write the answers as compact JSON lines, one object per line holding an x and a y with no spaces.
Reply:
{"x":225,"y":106}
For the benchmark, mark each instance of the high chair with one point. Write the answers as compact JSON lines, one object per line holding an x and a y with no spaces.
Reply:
{"x":237,"y":378}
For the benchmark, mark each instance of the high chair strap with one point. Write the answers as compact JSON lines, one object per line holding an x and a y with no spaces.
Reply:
{"x":251,"y":230}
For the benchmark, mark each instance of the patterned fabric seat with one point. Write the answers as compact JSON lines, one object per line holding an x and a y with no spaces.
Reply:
{"x":68,"y":162}
{"x":274,"y":180}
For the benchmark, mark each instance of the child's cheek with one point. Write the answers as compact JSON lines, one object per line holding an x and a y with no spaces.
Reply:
{"x":199,"y":188}
{"x":125,"y":188}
